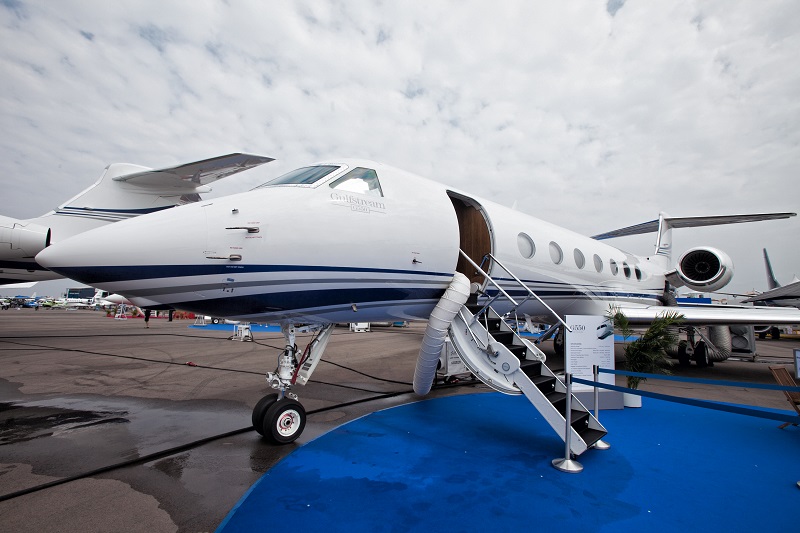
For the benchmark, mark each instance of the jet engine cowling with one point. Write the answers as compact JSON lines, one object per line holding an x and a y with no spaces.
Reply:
{"x":24,"y":239}
{"x":702,"y":269}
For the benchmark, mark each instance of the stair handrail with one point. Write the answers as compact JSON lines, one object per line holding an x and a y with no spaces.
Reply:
{"x":530,"y":292}
{"x":489,"y":278}
{"x":475,"y":338}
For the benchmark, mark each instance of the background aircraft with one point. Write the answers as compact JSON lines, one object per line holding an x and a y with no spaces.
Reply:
{"x":783,"y":295}
{"x":359,"y":241}
{"x":123,"y":191}
{"x":778,"y":295}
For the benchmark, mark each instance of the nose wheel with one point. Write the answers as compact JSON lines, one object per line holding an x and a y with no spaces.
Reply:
{"x":260,"y":411}
{"x":280,"y":421}
{"x":284,"y":421}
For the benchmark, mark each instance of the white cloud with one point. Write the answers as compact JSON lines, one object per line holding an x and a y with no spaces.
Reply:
{"x":592,"y":116}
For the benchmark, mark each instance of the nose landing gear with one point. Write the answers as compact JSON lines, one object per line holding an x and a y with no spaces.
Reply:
{"x":280,"y":417}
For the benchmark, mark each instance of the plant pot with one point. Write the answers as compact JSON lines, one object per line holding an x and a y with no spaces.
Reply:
{"x":631,"y":400}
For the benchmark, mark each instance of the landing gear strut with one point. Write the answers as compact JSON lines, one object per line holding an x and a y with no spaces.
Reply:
{"x":279,"y":417}
{"x":689,"y":350}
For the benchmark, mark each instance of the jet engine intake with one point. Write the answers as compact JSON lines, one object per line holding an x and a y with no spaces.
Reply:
{"x":23,"y":238}
{"x":702,"y":269}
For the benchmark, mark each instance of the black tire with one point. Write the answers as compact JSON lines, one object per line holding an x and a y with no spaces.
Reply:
{"x":683,"y":357}
{"x":215,"y":320}
{"x":775,"y":333}
{"x":701,"y":354}
{"x":558,"y":342}
{"x":284,"y":421}
{"x":260,"y":411}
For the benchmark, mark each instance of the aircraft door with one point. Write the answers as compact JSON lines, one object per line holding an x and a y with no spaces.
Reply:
{"x":475,"y":237}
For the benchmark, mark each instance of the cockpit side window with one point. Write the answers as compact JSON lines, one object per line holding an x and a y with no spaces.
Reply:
{"x":359,"y":180}
{"x":302,"y":176}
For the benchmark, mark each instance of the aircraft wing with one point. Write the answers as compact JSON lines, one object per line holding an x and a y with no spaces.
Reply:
{"x":194,"y":174}
{"x":703,"y":315}
{"x":787,"y":292}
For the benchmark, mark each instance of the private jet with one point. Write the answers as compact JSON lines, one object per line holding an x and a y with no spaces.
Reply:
{"x":358,"y":241}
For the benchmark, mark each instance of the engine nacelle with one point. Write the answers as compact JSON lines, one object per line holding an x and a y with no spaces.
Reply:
{"x":702,"y":269}
{"x":24,"y":239}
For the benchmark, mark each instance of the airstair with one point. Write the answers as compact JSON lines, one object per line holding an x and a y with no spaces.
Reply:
{"x":511,"y":364}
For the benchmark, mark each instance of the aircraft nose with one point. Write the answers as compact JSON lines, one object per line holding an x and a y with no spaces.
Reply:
{"x":123,"y":251}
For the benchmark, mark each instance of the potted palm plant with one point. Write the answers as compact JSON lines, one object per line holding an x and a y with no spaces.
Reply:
{"x":647,"y":354}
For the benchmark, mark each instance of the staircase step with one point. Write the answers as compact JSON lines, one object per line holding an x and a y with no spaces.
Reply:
{"x":504,"y":337}
{"x":546,"y":384}
{"x":532,"y":368}
{"x":558,"y":399}
{"x":518,"y":351}
{"x":579,"y":420}
{"x":493,"y":324}
{"x":590,"y":436}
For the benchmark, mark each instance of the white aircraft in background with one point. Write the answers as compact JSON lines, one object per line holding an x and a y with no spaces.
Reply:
{"x":358,"y":241}
{"x":123,"y":191}
{"x":105,"y":299}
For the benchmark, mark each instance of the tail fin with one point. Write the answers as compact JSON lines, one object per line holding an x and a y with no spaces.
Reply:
{"x":125,"y":190}
{"x":771,"y":281}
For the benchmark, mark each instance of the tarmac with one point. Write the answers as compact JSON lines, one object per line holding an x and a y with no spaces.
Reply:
{"x":171,"y":404}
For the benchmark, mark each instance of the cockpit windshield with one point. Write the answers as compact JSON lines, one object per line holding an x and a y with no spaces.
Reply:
{"x":359,"y":180}
{"x":302,"y":176}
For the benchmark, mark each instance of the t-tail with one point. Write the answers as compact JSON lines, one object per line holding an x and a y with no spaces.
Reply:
{"x":703,"y":268}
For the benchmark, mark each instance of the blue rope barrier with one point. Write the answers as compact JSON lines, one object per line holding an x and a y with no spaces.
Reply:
{"x":698,"y":380}
{"x":794,"y":419}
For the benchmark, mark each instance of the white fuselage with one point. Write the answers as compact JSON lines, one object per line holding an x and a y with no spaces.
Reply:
{"x":316,"y":253}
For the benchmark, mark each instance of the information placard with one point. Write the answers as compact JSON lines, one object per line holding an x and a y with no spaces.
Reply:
{"x":796,"y":364}
{"x":591,"y":342}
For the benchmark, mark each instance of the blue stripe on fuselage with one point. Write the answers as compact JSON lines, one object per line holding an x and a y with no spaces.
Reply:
{"x":292,"y":301}
{"x":104,"y":274}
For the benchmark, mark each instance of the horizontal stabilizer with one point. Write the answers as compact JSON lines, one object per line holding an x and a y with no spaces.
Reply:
{"x":690,"y":222}
{"x":194,"y":174}
{"x":711,"y":315}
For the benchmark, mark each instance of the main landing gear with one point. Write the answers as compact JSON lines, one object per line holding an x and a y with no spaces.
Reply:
{"x":691,"y":350}
{"x":279,"y":417}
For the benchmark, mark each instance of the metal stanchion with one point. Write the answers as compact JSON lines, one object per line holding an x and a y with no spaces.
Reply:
{"x":600,"y":444}
{"x":567,"y":464}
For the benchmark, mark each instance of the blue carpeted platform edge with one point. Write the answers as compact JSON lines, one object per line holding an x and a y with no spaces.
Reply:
{"x":232,"y":327}
{"x":483,"y":462}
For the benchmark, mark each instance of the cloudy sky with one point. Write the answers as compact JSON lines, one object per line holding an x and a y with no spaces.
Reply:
{"x":592,"y":115}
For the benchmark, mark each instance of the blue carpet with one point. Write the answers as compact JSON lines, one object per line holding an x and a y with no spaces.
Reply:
{"x":232,"y":327}
{"x":481,"y":462}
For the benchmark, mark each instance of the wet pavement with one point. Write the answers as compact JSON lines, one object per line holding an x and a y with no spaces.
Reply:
{"x":80,"y":392}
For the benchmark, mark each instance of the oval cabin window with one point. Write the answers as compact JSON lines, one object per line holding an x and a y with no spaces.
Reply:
{"x":555,"y":253}
{"x":526,"y":246}
{"x":580,"y":260}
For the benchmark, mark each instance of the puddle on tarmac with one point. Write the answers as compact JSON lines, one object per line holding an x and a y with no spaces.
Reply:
{"x":22,"y":422}
{"x":134,"y":425}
